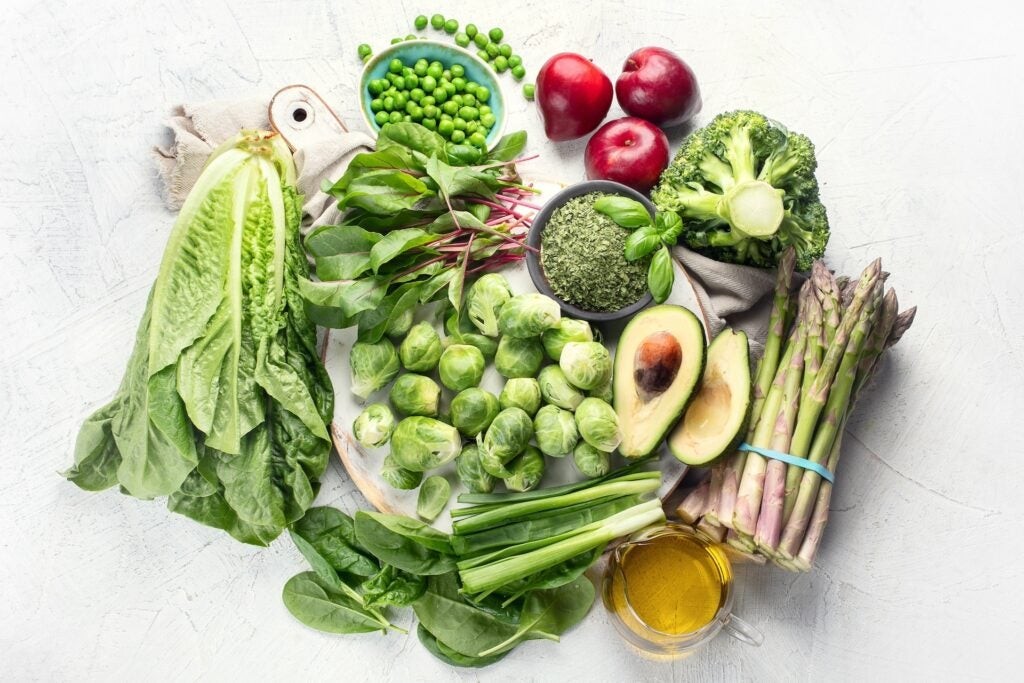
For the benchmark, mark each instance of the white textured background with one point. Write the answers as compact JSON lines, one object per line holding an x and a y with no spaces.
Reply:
{"x":916,"y":108}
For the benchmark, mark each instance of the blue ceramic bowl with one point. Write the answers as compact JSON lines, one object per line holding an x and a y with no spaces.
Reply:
{"x":410,"y":51}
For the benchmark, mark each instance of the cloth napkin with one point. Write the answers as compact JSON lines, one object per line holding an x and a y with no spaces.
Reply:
{"x":729,"y":295}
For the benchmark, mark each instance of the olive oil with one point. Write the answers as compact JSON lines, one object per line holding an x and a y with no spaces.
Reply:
{"x":670,"y":584}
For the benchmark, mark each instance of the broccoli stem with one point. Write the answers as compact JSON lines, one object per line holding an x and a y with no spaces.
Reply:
{"x":753,"y":209}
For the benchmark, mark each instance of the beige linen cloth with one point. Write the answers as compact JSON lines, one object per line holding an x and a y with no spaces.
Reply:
{"x":730,"y":295}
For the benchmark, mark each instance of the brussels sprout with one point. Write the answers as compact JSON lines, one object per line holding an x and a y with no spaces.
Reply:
{"x":484,"y":301}
{"x":528,"y":315}
{"x":433,"y":497}
{"x":527,"y":470}
{"x":556,"y":390}
{"x":373,"y":366}
{"x":399,"y":477}
{"x":567,"y":330}
{"x":421,"y":348}
{"x":590,"y":461}
{"x":423,"y":443}
{"x":374,"y":425}
{"x":507,"y":436}
{"x":604,"y":392}
{"x":461,"y":331}
{"x":521,"y":392}
{"x":587,"y":365}
{"x":461,"y":366}
{"x":473,"y":410}
{"x":519,"y":357}
{"x":555,"y":430}
{"x":399,"y":326}
{"x":413,"y":394}
{"x":471,"y":473}
{"x":598,"y":424}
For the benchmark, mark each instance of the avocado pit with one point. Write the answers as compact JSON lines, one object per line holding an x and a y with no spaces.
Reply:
{"x":656,"y":363}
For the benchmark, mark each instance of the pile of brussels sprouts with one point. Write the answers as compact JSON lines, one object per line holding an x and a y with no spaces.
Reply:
{"x":555,"y":400}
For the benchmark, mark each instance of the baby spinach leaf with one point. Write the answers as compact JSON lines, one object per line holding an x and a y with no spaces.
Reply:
{"x":413,"y":136}
{"x":508,"y":147}
{"x":450,"y":656}
{"x":549,"y":613}
{"x":392,"y":587}
{"x":394,"y":157}
{"x":396,"y":243}
{"x":318,"y":606}
{"x":405,"y":543}
{"x":383,"y":192}
{"x":458,"y":623}
{"x":326,"y":538}
{"x":627,"y":212}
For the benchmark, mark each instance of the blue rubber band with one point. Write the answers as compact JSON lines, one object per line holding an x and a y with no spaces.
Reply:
{"x":818,"y":469}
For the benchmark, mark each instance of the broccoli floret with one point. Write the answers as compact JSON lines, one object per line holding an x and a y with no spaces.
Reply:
{"x":745,"y":189}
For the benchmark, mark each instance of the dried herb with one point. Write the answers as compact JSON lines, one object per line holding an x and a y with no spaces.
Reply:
{"x":583,"y":256}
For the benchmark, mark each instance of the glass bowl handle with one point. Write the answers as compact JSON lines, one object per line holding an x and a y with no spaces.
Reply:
{"x":743,"y":631}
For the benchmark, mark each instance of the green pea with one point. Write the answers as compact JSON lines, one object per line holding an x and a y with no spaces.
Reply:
{"x":400,"y":101}
{"x":437,"y":21}
{"x":471,"y":30}
{"x":429,"y":83}
{"x":396,"y":117}
{"x":440,"y":95}
{"x":492,"y":50}
{"x":484,"y":109}
{"x":395,"y":66}
{"x":430,"y":111}
{"x":529,"y":90}
{"x":458,"y":71}
{"x":364,"y":50}
{"x":482,"y":54}
{"x":500,"y":64}
{"x":381,"y":118}
{"x":514,"y":60}
{"x":436,"y":65}
{"x":411,"y":37}
{"x":420,"y":68}
{"x":366,"y":58}
{"x":482,"y":94}
{"x":457,"y":99}
{"x":429,"y":124}
{"x":449,"y":88}
{"x":518,"y":72}
{"x":472,"y":127}
{"x":469,"y":113}
{"x":460,"y":123}
{"x":395,"y":41}
{"x":375,"y":87}
{"x":487,"y":120}
{"x":478,"y":140}
{"x":376,"y":105}
{"x":389,"y":103}
{"x":421,"y":22}
{"x":391,"y":77}
{"x":416,"y":95}
{"x":505,"y":50}
{"x":416,"y":113}
{"x":446,"y":75}
{"x":427,"y":101}
{"x":468,"y":100}
{"x":445,"y":128}
{"x":399,"y":83}
{"x":480,"y":40}
{"x":446,"y":117}
{"x":458,"y":136}
{"x":451,"y":26}
{"x":459,"y":83}
{"x":412,"y":81}
{"x":435,"y":70}
{"x":407,"y":71}
{"x":410,"y":107}
{"x":496,"y":34}
{"x":450,"y":108}
{"x":462,"y":40}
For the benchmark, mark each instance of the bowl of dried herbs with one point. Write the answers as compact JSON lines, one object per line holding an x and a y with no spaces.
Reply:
{"x":581,"y":261}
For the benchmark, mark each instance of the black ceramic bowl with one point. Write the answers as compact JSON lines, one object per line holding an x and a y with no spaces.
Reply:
{"x":540,"y":280}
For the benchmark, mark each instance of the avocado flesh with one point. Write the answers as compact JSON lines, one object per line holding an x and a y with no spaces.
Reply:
{"x":716,"y":419}
{"x":646,"y":416}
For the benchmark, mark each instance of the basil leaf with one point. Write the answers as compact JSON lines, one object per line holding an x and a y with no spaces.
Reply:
{"x":396,"y":243}
{"x":642,"y":242}
{"x":669,"y":226}
{"x":508,"y":147}
{"x":627,"y":212}
{"x":660,"y":275}
{"x":414,"y":137}
{"x":383,"y":192}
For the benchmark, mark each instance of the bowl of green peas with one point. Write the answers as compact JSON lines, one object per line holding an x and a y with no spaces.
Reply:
{"x":437,"y":85}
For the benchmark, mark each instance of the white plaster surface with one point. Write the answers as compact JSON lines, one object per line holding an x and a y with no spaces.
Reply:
{"x":916,"y":108}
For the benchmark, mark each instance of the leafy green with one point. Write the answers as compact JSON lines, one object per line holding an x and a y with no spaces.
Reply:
{"x":450,"y":656}
{"x":391,"y":587}
{"x":319,"y":606}
{"x":433,"y":497}
{"x":405,"y":543}
{"x":549,"y":613}
{"x":462,"y":625}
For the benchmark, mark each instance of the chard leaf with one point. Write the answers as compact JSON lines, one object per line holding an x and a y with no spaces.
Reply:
{"x":508,"y":147}
{"x":394,"y":157}
{"x":414,"y":137}
{"x":383,"y":192}
{"x":351,"y":297}
{"x":374,"y":322}
{"x":446,"y":222}
{"x":453,"y":181}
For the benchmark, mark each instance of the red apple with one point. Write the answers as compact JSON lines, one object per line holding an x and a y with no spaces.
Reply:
{"x":630,"y":151}
{"x":573,"y":96}
{"x":658,"y":86}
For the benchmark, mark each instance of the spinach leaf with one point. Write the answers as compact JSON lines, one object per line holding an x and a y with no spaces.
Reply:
{"x":460,"y":180}
{"x":463,"y":626}
{"x":549,"y":613}
{"x":463,"y":155}
{"x":326,"y":538}
{"x":350,"y":297}
{"x":341,"y":252}
{"x":319,"y":606}
{"x":396,"y":243}
{"x":392,"y":587}
{"x":394,"y":157}
{"x":413,"y":136}
{"x":508,"y":147}
{"x":405,"y":543}
{"x":450,"y":656}
{"x":383,"y":192}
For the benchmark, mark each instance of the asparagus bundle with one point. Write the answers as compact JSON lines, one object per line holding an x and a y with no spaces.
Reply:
{"x":823,"y":346}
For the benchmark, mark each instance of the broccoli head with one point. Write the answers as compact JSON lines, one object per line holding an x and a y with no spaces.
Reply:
{"x":745,"y":189}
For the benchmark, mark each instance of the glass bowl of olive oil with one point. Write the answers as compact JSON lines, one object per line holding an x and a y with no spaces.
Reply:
{"x":670,"y":591}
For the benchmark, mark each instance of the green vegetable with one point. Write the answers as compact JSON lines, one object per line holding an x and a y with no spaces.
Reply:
{"x":590,"y":461}
{"x":437,"y":21}
{"x":326,"y":538}
{"x":421,"y":22}
{"x":364,"y":50}
{"x":421,"y":349}
{"x":461,"y":366}
{"x":506,"y":438}
{"x":583,"y":257}
{"x":521,"y":392}
{"x":450,"y":656}
{"x":319,"y":606}
{"x":471,"y":472}
{"x":549,"y":613}
{"x":373,"y":366}
{"x":471,"y":30}
{"x":374,"y":425}
{"x":472,"y":410}
{"x":518,"y":358}
{"x":451,"y":26}
{"x":463,"y":626}
{"x":528,"y":315}
{"x":462,"y":40}
{"x":529,"y":91}
{"x":587,"y":365}
{"x":555,"y":430}
{"x":526,"y":469}
{"x":461,"y":331}
{"x":518,"y":71}
{"x":567,"y":330}
{"x":745,"y":189}
{"x":423,"y":443}
{"x":404,"y":543}
{"x":557,"y":390}
{"x":433,"y":497}
{"x":481,"y":40}
{"x":484,"y":302}
{"x":224,"y":402}
{"x":496,"y":34}
{"x":391,"y":587}
{"x":399,"y":325}
{"x":413,"y":394}
{"x":397,"y":476}
{"x":598,"y":424}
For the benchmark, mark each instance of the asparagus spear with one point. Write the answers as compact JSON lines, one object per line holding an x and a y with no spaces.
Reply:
{"x":714,"y":496}
{"x":692,"y":507}
{"x":766,"y":369}
{"x":712,"y":532}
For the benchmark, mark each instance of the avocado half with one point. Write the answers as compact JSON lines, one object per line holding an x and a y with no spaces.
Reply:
{"x":658,"y":363}
{"x":714,"y":423}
